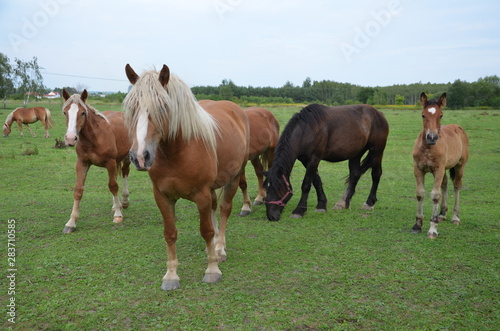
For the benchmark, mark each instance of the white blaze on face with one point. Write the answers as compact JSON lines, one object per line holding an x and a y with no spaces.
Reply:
{"x":432,"y":110}
{"x":141,"y":132}
{"x":72,"y":114}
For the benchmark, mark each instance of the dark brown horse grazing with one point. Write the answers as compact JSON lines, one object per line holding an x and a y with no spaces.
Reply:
{"x":437,"y":149}
{"x":333,"y":134}
{"x":28,"y":116}
{"x":264,"y":135}
{"x":190,"y":149}
{"x":101,"y":140}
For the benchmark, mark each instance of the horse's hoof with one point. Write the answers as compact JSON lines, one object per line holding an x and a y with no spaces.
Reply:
{"x":339,"y":206}
{"x":320,"y":210}
{"x":169,"y":285}
{"x":125,"y":205}
{"x":432,"y":235}
{"x":416,"y":231}
{"x":455,"y":221}
{"x":118,"y":219}
{"x":69,"y":229}
{"x":367,"y":207}
{"x":244,"y":213}
{"x":295,"y":216}
{"x":212,"y":278}
{"x":257,"y":203}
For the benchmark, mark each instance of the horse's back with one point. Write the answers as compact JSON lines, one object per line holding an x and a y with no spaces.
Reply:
{"x":457,"y":144}
{"x":116,"y":120}
{"x":232,"y":138}
{"x":264,"y":130}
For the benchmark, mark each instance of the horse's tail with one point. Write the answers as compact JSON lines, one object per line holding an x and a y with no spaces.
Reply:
{"x":452,"y":173}
{"x":365,"y":165}
{"x":49,"y":120}
{"x":119,"y":172}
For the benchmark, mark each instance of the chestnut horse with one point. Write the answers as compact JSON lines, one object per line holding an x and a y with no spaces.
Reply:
{"x":28,"y":116}
{"x":437,"y":149}
{"x":333,"y":134}
{"x":101,"y":140}
{"x":264,"y":135}
{"x":190,"y":149}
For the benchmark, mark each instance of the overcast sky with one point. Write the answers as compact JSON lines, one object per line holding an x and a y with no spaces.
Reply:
{"x":254,"y":42}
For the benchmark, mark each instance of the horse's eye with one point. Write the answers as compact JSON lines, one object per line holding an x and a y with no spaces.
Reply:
{"x":423,"y":116}
{"x":84,"y":113}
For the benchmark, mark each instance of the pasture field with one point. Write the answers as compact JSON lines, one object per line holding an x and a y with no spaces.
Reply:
{"x":339,"y":270}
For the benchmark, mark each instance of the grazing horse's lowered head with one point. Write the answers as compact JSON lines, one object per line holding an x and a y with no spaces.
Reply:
{"x":431,"y":115}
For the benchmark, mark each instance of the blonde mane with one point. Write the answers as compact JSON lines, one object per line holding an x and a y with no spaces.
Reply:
{"x":75,"y":98}
{"x":8,"y":120}
{"x":173,"y":110}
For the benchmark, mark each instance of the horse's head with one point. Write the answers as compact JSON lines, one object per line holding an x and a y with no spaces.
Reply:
{"x":76,"y":112}
{"x":6,"y":130}
{"x":279,"y":192}
{"x":431,"y":115}
{"x":144,"y":134}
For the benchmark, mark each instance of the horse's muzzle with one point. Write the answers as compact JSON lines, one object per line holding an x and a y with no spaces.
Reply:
{"x":70,"y":140}
{"x":142,"y":161}
{"x":431,"y":138}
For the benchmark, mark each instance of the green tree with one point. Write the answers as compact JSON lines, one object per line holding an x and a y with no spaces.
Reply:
{"x":6,"y":84}
{"x":28,"y":78}
{"x":226,"y":90}
{"x":458,"y":93}
{"x":365,"y":93}
{"x":400,"y":100}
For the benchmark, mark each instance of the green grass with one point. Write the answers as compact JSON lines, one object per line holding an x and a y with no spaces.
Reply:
{"x":341,"y":270}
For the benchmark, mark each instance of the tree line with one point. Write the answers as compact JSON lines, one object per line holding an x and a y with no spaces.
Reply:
{"x":23,"y":79}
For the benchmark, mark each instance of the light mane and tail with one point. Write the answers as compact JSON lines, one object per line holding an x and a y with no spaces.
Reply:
{"x":75,"y":98}
{"x":49,"y":120}
{"x":173,"y":110}
{"x":8,"y":120}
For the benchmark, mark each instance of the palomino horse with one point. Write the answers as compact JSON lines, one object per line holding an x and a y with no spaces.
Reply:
{"x":264,"y":135}
{"x":101,"y":140}
{"x":437,"y":149}
{"x":333,"y":134}
{"x":190,"y":149}
{"x":28,"y":116}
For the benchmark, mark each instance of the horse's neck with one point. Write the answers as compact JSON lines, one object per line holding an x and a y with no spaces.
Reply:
{"x":93,"y":127}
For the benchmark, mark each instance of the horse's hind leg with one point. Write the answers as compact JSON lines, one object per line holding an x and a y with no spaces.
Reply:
{"x":457,"y":184}
{"x":81,"y":174}
{"x":246,"y":209}
{"x":354,"y":176}
{"x":376,"y":165}
{"x":46,"y":127}
{"x":258,"y":167}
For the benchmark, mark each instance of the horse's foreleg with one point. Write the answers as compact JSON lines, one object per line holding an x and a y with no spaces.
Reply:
{"x":320,"y":194}
{"x":419,"y":177}
{"x":444,"y":199}
{"x":311,"y":171}
{"x":81,"y":175}
{"x":436,"y":199}
{"x":20,"y":126}
{"x":29,"y":129}
{"x":171,"y":280}
{"x":258,"y":167}
{"x":246,"y":209}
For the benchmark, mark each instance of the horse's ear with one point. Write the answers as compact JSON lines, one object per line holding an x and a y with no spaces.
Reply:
{"x":131,"y":75}
{"x":442,"y":100}
{"x":84,"y":95}
{"x":66,"y":95}
{"x":423,"y":99}
{"x":164,"y":75}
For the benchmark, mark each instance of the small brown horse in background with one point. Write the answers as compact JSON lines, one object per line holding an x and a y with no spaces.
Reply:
{"x":189,"y":149}
{"x":264,"y":135}
{"x":101,"y":140}
{"x":437,"y":149}
{"x":28,"y":116}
